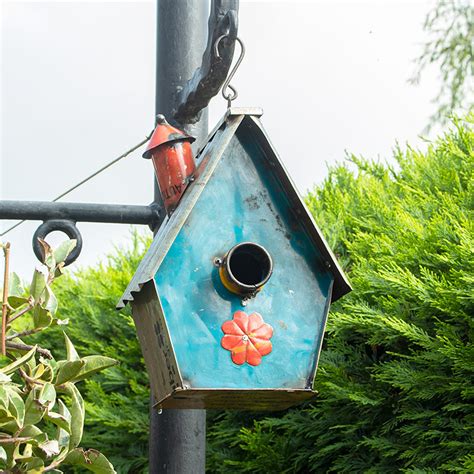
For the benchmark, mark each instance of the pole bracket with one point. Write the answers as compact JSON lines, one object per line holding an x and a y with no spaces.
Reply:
{"x":63,"y":216}
{"x":208,"y":79}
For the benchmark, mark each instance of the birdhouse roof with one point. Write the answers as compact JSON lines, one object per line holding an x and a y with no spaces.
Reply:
{"x":244,"y":122}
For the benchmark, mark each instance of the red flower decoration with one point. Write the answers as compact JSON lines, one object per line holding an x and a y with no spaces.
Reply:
{"x":247,"y":337}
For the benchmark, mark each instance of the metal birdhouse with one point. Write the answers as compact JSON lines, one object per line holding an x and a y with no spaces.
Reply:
{"x":231,"y":300}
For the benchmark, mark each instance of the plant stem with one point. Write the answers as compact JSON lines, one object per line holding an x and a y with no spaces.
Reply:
{"x":30,"y":381}
{"x":25,"y":347}
{"x":21,"y":313}
{"x":6,"y":251}
{"x":27,"y":332}
{"x":13,"y":440}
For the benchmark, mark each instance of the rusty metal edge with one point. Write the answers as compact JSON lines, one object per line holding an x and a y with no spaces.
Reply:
{"x":304,"y":393}
{"x":314,"y":369}
{"x":136,"y":314}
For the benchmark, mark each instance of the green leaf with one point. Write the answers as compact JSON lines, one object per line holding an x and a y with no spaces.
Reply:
{"x":92,"y":365}
{"x":16,"y":301}
{"x":34,"y":411}
{"x":77,"y":414}
{"x":51,"y":302}
{"x":59,"y":420}
{"x":68,"y":370}
{"x":64,"y":249}
{"x":39,"y":401}
{"x":38,"y":371}
{"x":47,"y":395}
{"x":47,"y":251}
{"x":3,"y":455}
{"x":71,"y":353}
{"x":35,"y":467}
{"x":9,"y":369}
{"x":38,"y":285}
{"x":50,"y":448}
{"x":3,"y":398}
{"x":63,"y":435}
{"x":15,"y":286}
{"x":16,"y":406}
{"x":91,"y":460}
{"x":33,"y":432}
{"x":49,"y":371}
{"x":42,"y":318}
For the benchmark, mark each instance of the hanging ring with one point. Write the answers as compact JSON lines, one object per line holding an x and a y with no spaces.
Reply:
{"x":232,"y":94}
{"x":67,"y":227}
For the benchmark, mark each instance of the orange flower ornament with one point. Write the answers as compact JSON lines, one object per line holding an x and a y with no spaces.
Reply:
{"x":247,"y":338}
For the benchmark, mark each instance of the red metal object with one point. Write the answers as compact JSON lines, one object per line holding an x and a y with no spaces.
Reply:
{"x":170,"y":150}
{"x":247,"y":337}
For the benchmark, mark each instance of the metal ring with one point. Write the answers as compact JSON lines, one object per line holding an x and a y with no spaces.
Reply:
{"x":65,"y":226}
{"x":246,"y":281}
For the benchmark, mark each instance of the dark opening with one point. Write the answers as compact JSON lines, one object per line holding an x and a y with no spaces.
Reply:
{"x":250,"y":264}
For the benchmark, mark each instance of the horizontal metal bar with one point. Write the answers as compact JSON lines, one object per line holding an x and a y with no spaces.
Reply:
{"x":80,"y":212}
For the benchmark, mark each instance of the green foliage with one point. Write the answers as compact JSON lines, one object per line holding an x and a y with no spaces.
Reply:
{"x":116,"y":401}
{"x":450,"y":27}
{"x":396,"y":370}
{"x":41,"y":409}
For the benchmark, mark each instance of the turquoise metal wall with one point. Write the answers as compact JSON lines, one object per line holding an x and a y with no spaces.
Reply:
{"x":243,"y":201}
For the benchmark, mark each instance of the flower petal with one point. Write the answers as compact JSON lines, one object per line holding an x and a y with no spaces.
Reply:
{"x":239,"y":354}
{"x":265,"y":331}
{"x":242,"y":320}
{"x":255,"y":321}
{"x":229,"y":341}
{"x":253,"y":356}
{"x":231,"y":327}
{"x":263,"y":346}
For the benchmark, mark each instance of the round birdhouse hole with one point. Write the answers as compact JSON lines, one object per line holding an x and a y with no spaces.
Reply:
{"x":246,"y":268}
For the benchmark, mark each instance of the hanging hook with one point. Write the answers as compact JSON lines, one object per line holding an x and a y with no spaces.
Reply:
{"x":232,"y":95}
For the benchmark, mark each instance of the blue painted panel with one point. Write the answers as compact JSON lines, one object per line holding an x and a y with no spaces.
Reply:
{"x":243,"y":202}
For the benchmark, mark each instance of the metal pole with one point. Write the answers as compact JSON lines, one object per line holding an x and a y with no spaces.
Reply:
{"x":178,"y":437}
{"x":79,"y":212}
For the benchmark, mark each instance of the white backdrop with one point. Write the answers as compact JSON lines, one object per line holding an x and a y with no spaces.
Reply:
{"x":77,"y":89}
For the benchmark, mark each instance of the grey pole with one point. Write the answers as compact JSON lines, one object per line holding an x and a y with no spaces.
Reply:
{"x":178,"y":437}
{"x":80,"y":212}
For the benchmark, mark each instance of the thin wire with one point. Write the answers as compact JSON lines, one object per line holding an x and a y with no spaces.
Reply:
{"x":80,"y":183}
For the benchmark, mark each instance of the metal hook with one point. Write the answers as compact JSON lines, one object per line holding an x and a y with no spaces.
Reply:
{"x":230,"y":96}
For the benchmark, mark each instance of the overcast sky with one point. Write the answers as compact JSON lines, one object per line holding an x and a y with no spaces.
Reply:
{"x":77,"y":89}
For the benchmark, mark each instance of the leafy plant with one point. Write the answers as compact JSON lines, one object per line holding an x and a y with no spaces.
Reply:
{"x":117,"y":400}
{"x":41,"y":408}
{"x":396,"y":372}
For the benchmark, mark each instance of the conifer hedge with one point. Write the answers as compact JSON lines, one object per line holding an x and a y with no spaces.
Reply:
{"x":396,"y":371}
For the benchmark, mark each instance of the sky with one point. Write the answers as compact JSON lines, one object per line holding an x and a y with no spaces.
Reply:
{"x":77,"y":90}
